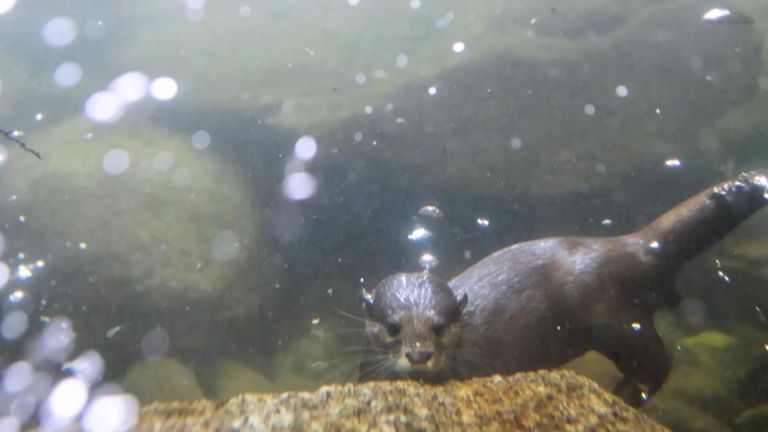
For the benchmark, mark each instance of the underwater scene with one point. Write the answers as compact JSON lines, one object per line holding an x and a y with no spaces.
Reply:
{"x":200,"y":199}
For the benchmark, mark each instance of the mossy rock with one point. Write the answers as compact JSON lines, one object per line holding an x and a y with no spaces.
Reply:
{"x":233,"y":378}
{"x":163,"y":379}
{"x":178,"y":225}
{"x":754,"y":419}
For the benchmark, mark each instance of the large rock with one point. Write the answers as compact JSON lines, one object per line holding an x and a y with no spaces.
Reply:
{"x":540,"y":401}
{"x":560,"y":108}
{"x":173,"y":239}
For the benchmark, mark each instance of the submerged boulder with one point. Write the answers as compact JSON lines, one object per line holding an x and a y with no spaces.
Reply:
{"x":541,"y":401}
{"x":129,"y":226}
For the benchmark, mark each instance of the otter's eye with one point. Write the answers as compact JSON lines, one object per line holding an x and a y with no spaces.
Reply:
{"x":439,"y":329}
{"x":393,"y":329}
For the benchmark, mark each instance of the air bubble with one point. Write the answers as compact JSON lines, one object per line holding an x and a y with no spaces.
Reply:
{"x":305,"y":147}
{"x":59,"y":31}
{"x":201,"y":140}
{"x":155,"y":343}
{"x":116,"y":161}
{"x":225,"y":246}
{"x":14,"y":325}
{"x":299,"y":186}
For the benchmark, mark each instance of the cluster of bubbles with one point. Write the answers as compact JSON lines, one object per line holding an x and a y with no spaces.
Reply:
{"x":108,"y":106}
{"x":46,"y":387}
{"x":298,"y":184}
{"x":420,"y":235}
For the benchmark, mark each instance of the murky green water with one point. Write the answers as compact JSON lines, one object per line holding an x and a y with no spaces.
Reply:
{"x":219,"y":179}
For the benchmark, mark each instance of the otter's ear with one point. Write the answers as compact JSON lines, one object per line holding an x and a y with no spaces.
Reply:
{"x":462,"y":302}
{"x":366,"y":297}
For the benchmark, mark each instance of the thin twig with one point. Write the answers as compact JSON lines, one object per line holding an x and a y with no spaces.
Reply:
{"x":11,"y":136}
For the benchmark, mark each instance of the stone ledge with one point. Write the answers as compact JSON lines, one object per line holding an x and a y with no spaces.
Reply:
{"x":535,"y":401}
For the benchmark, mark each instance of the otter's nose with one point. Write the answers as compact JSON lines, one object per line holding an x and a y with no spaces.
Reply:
{"x":418,"y":357}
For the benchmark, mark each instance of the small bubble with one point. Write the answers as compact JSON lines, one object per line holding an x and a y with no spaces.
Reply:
{"x":67,"y":74}
{"x":762,"y":81}
{"x":88,"y":366}
{"x":606,"y":222}
{"x":59,"y":31}
{"x":39,"y":117}
{"x":419,"y":234}
{"x":721,"y":274}
{"x":111,"y":412}
{"x":112,"y":331}
{"x":163,"y":161}
{"x":56,"y":341}
{"x":305,"y":147}
{"x":65,"y":402}
{"x":195,"y":4}
{"x":428,"y":261}
{"x":163,"y":88}
{"x":654,"y":245}
{"x":225,"y":246}
{"x":415,"y":4}
{"x":353,"y":2}
{"x":368,"y":109}
{"x":244,"y":11}
{"x":589,"y":109}
{"x":401,"y":60}
{"x":483,"y":222}
{"x":458,"y":47}
{"x":299,"y":186}
{"x":636,"y":326}
{"x":360,"y":78}
{"x":431,"y":211}
{"x":155,"y":343}
{"x":673,"y":163}
{"x":315,"y":320}
{"x":82,"y":245}
{"x":432,"y":91}
{"x":5,"y":274}
{"x":104,"y":107}
{"x":14,"y":325}
{"x":5,"y":7}
{"x":130,"y":86}
{"x":17,"y":296}
{"x":17,"y":376}
{"x":622,"y":91}
{"x":23,"y":271}
{"x":201,"y":140}
{"x":116,"y":161}
{"x":516,"y":143}
{"x":9,"y":423}
{"x":358,"y":136}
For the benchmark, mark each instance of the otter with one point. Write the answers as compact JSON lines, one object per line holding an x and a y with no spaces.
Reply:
{"x":540,"y":303}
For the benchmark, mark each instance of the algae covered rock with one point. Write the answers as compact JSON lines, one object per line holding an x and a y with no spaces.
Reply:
{"x":541,"y":401}
{"x":701,"y":393}
{"x":127,"y":227}
{"x":314,"y":359}
{"x":131,"y":213}
{"x":754,"y":419}
{"x":233,"y":378}
{"x":162,"y":379}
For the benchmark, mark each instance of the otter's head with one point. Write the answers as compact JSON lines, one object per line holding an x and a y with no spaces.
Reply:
{"x":412,"y":320}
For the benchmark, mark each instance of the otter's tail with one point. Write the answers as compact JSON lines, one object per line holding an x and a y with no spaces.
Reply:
{"x":688,"y":229}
